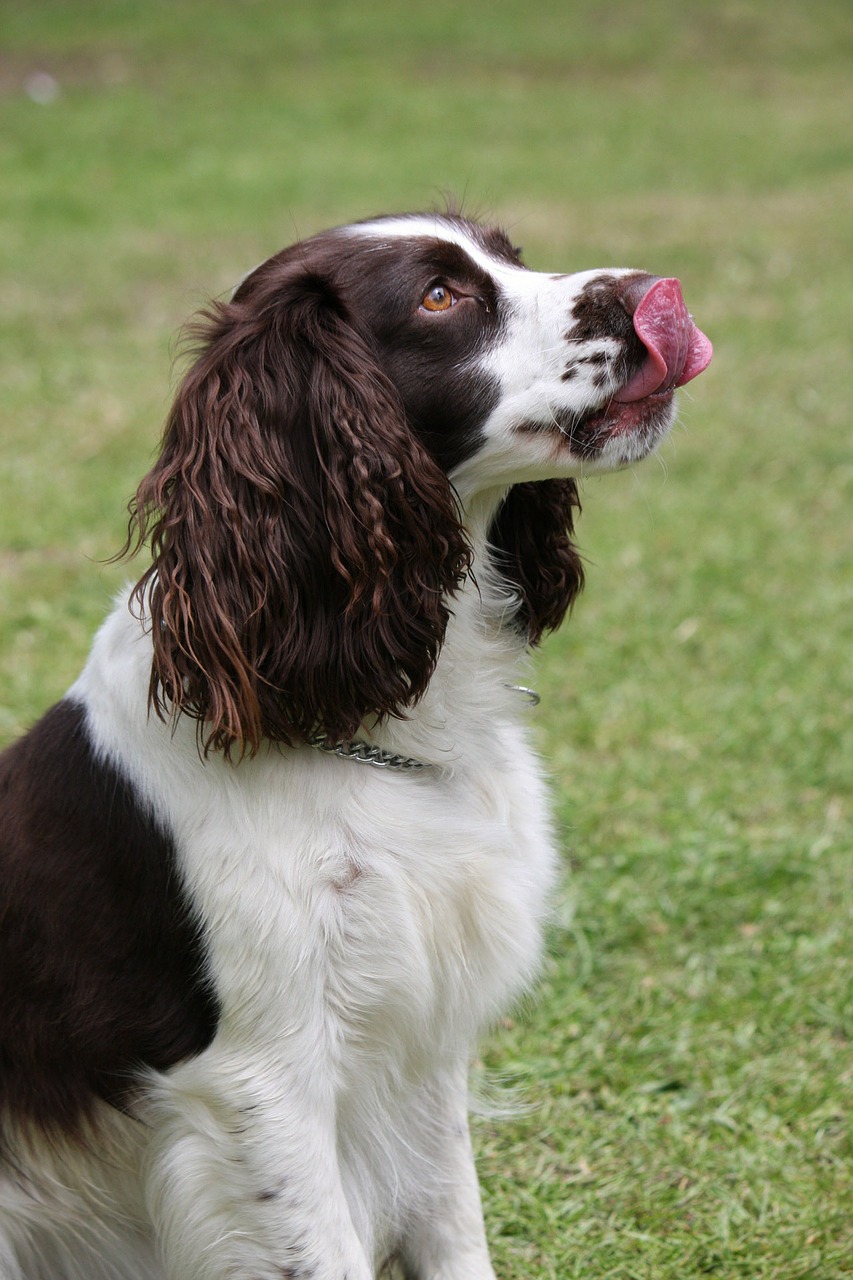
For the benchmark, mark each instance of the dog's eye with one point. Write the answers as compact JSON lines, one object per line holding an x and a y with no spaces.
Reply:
{"x":439,"y":298}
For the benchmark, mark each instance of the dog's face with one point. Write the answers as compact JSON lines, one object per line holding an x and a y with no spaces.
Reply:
{"x":507,"y":374}
{"x":375,"y":407}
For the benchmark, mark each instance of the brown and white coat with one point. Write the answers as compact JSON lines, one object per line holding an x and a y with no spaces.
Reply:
{"x":242,"y":978}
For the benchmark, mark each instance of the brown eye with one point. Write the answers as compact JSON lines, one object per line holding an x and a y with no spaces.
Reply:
{"x":439,"y":298}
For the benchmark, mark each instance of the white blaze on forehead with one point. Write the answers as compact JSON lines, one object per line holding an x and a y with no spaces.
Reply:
{"x":517,"y":280}
{"x":422,"y":226}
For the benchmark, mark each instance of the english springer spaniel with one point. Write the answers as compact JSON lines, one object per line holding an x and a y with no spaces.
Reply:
{"x":283,"y":850}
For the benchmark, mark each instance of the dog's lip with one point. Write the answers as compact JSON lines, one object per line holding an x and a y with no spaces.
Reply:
{"x":676,"y":349}
{"x":588,"y":433}
{"x":620,"y":417}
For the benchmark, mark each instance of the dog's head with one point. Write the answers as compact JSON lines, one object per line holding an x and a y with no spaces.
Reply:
{"x":359,"y":395}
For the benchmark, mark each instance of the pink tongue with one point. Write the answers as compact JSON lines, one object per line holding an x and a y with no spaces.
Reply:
{"x":676,"y":350}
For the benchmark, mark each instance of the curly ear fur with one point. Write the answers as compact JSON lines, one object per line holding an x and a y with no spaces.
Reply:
{"x":531,"y":534}
{"x":304,"y":543}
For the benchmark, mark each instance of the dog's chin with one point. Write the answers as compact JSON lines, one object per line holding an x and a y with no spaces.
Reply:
{"x":620,"y":433}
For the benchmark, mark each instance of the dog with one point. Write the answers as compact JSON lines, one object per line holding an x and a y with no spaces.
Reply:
{"x":283,"y":850}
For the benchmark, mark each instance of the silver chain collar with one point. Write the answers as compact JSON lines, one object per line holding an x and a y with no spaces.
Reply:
{"x":366,"y":753}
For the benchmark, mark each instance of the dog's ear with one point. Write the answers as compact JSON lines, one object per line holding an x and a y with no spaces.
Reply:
{"x":531,"y":534}
{"x":304,"y":543}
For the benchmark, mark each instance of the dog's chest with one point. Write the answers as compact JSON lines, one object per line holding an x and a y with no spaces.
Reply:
{"x":375,"y":912}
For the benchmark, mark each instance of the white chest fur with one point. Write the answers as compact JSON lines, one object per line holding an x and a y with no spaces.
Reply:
{"x":338,"y":900}
{"x":361,"y":928}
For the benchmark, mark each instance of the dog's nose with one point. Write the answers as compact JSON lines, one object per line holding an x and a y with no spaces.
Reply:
{"x":632,"y":289}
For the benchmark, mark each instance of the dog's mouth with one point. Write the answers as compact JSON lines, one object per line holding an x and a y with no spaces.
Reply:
{"x":672,"y":351}
{"x":648,"y":418}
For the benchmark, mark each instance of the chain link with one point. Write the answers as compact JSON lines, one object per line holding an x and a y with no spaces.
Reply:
{"x":530,"y":694}
{"x":364,"y":753}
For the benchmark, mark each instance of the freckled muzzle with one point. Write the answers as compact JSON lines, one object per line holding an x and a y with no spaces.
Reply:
{"x":676,"y":350}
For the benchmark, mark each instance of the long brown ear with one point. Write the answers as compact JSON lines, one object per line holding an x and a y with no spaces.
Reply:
{"x":304,"y":543}
{"x":531,"y":534}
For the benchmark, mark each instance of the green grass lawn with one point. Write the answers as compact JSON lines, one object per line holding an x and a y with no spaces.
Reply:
{"x":685,"y":1073}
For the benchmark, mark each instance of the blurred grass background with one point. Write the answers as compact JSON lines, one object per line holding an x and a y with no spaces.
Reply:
{"x":688,"y":1066}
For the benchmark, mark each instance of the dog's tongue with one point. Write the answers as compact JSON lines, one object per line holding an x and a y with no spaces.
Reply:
{"x":676,"y":350}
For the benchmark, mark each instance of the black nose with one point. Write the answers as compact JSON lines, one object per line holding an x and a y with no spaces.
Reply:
{"x":631,"y":290}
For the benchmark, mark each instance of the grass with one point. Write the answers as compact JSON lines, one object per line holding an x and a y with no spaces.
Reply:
{"x":687,"y":1065}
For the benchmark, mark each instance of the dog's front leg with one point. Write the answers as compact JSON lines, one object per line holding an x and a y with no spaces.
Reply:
{"x":242,"y":1177}
{"x":445,"y":1237}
